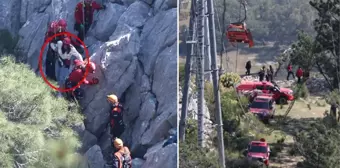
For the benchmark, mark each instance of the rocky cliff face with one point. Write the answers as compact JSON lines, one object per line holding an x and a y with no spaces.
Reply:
{"x":134,"y":45}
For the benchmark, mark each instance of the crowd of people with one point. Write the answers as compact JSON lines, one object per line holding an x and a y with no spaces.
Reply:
{"x":267,"y":73}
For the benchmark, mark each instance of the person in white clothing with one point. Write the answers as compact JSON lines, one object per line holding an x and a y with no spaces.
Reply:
{"x":67,"y":53}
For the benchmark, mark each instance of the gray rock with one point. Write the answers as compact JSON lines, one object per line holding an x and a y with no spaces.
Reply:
{"x":94,"y":157}
{"x":116,"y":73}
{"x":158,"y":33}
{"x":137,"y":163}
{"x":32,"y":36}
{"x":79,"y":129}
{"x":107,"y":21}
{"x":162,"y":157}
{"x":136,"y":15}
{"x":128,"y":2}
{"x":29,"y":7}
{"x":166,"y":107}
{"x":10,"y":16}
{"x":106,"y":145}
{"x":88,"y":141}
{"x":163,"y":5}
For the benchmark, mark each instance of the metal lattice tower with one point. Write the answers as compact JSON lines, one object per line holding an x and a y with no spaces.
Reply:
{"x":201,"y":37}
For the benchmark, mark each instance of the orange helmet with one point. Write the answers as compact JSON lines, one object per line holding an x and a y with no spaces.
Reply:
{"x":118,"y":143}
{"x":112,"y":98}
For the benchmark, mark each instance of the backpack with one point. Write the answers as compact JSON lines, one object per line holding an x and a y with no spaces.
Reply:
{"x":124,"y":158}
{"x":116,"y":116}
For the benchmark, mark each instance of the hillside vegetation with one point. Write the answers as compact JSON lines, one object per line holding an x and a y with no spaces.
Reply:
{"x":35,"y":127}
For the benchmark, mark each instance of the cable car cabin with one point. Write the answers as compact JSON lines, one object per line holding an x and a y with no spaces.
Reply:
{"x":237,"y":32}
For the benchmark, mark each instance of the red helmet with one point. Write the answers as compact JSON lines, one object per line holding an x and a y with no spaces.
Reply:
{"x":263,"y":140}
{"x":53,"y":26}
{"x":62,"y":23}
{"x":67,"y":41}
{"x":92,"y":67}
{"x":78,"y":63}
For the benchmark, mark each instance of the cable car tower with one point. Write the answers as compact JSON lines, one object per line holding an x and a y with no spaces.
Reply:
{"x":201,"y":44}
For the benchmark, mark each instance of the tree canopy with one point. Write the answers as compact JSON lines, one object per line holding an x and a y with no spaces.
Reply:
{"x":35,"y":127}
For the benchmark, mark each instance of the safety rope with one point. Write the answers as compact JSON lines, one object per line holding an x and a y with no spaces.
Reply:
{"x":84,"y":8}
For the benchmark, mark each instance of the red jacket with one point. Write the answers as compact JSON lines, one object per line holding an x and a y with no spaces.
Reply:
{"x":299,"y":72}
{"x":77,"y":75}
{"x":289,"y":68}
{"x":53,"y":29}
{"x":89,"y":10}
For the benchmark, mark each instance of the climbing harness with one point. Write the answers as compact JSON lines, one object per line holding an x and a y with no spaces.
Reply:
{"x":238,"y":33}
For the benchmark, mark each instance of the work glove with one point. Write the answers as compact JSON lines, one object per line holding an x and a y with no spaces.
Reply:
{"x":81,"y":26}
{"x":95,"y":81}
{"x":59,"y":44}
{"x":104,"y":7}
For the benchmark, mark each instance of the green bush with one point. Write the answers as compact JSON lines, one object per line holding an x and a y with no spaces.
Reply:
{"x":190,"y":155}
{"x":229,"y":79}
{"x":301,"y":91}
{"x":181,"y":71}
{"x":35,"y":126}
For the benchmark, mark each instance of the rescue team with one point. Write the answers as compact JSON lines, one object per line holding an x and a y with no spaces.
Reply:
{"x":66,"y":65}
{"x":269,"y":72}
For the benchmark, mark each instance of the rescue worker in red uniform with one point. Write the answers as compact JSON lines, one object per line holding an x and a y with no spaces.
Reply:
{"x":77,"y":75}
{"x":116,"y":116}
{"x":299,"y":74}
{"x":290,"y":71}
{"x":84,"y":16}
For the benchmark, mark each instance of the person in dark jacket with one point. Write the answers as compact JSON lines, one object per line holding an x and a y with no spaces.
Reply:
{"x":333,"y":109}
{"x":116,"y":116}
{"x":248,"y":67}
{"x":122,"y":156}
{"x":272,"y":72}
{"x":262,"y":73}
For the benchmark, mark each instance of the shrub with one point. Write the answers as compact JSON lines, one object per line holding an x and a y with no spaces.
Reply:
{"x":181,"y":71}
{"x":301,"y":91}
{"x":190,"y":155}
{"x":35,"y":126}
{"x":229,"y":79}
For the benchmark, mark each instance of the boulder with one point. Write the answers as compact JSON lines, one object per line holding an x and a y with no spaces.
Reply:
{"x":107,"y":21}
{"x":32,"y":38}
{"x":161,"y":157}
{"x":94,"y":158}
{"x":163,"y":5}
{"x":88,"y":140}
{"x":10,"y":16}
{"x":135,"y":15}
{"x":137,"y":163}
{"x":158,"y":33}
